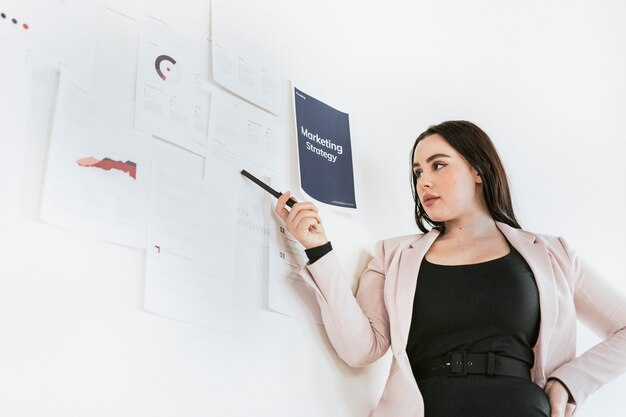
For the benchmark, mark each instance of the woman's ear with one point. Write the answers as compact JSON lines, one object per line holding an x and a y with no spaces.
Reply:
{"x":477,"y":177}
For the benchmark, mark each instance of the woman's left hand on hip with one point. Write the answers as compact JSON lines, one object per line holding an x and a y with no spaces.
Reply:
{"x":558,"y":396}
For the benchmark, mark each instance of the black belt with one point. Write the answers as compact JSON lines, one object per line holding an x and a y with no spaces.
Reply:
{"x":461,"y":363}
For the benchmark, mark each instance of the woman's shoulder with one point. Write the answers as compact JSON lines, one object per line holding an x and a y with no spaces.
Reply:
{"x":554,"y":242}
{"x":395,"y":243}
{"x":543,"y":237}
{"x":557,"y":245}
{"x":389,"y":249}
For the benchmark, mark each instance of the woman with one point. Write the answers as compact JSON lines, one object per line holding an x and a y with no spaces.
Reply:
{"x":480,"y":314}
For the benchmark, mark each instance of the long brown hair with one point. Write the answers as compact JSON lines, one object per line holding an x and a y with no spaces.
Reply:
{"x":475,"y":146}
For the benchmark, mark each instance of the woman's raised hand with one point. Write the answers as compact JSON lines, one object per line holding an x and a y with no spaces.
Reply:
{"x":302,"y":221}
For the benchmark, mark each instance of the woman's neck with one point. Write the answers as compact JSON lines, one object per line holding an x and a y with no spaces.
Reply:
{"x":469,"y":229}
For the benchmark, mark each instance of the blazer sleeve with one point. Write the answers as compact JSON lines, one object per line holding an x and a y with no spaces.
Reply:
{"x":357,"y":326}
{"x":602,"y":308}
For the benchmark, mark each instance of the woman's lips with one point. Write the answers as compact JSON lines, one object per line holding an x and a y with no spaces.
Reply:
{"x":430,"y":201}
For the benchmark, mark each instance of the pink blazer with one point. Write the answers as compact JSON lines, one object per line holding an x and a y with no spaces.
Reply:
{"x":361,"y":328}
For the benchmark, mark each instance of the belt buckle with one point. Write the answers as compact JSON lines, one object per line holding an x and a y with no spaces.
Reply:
{"x":457,"y":363}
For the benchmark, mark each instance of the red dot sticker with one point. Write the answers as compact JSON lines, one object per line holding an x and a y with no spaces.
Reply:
{"x":25,"y":26}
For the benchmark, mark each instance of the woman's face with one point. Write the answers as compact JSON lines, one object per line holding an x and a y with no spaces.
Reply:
{"x":443,"y":173}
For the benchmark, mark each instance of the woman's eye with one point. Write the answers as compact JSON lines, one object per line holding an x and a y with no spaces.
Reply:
{"x":435,"y":167}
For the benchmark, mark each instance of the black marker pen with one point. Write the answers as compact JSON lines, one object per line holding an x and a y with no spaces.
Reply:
{"x":266,"y":187}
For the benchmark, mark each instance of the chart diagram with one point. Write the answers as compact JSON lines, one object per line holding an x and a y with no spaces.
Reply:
{"x":169,"y":101}
{"x":168,"y":68}
{"x":108,"y":164}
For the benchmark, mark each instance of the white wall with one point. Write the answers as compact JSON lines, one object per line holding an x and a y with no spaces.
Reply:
{"x":545,"y":79}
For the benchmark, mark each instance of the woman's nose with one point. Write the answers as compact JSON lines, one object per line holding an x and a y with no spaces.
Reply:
{"x":423,"y":182}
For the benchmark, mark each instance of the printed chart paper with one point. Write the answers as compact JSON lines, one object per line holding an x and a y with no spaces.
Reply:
{"x":190,"y":251}
{"x":324,"y":151}
{"x":288,"y":293}
{"x":13,"y":72}
{"x":97,"y":178}
{"x":51,"y":28}
{"x":171,"y":102}
{"x":115,"y":53}
{"x":242,"y":136}
{"x":244,"y":51}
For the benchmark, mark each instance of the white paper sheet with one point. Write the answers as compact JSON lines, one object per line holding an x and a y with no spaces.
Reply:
{"x":245,"y":137}
{"x":190,"y":249}
{"x":288,"y":293}
{"x":170,"y":100}
{"x":115,"y":53}
{"x":132,"y":9}
{"x":242,"y":136}
{"x":97,"y":177}
{"x":244,"y":51}
{"x":166,"y":155}
{"x":13,"y":73}
{"x":51,"y":28}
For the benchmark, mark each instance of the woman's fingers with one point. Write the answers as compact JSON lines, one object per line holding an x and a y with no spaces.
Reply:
{"x":302,"y":221}
{"x":558,"y":396}
{"x":280,"y":206}
{"x":305,"y":225}
{"x":299,"y":208}
{"x":305,"y":214}
{"x":289,"y":215}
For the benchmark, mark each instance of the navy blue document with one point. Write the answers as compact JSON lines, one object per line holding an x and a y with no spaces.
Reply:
{"x":324,"y":151}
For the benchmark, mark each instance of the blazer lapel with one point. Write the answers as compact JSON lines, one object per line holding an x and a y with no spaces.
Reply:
{"x":408,"y":269}
{"x":536,"y":255}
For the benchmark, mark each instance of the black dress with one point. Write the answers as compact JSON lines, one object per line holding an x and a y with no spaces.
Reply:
{"x":490,"y":306}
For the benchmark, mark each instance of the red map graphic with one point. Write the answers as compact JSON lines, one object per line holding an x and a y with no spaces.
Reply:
{"x":107,"y":164}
